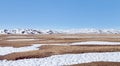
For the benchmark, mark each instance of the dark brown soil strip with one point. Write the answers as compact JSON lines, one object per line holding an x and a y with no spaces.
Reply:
{"x":98,"y":64}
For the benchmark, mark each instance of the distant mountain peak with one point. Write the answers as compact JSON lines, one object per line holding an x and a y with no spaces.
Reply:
{"x":70,"y":31}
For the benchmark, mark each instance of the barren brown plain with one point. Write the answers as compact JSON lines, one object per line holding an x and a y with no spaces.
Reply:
{"x":49,"y":50}
{"x":99,"y":64}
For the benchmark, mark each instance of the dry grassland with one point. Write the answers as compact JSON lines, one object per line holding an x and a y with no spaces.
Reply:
{"x":48,"y":50}
{"x":99,"y":64}
{"x":56,"y":38}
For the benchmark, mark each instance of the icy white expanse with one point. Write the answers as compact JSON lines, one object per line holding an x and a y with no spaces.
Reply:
{"x":66,"y":59}
{"x":58,"y":60}
{"x":95,"y":43}
{"x":68,"y":31}
{"x":8,"y":50}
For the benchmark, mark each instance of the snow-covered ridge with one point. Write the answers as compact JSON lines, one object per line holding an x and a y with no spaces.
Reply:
{"x":69,"y":31}
{"x":65,"y":59}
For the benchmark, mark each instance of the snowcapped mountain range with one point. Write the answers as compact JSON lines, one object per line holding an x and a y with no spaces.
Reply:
{"x":70,"y":31}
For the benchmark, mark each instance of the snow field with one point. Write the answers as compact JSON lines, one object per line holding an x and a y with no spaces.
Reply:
{"x":9,"y":50}
{"x":66,"y":59}
{"x":95,"y":43}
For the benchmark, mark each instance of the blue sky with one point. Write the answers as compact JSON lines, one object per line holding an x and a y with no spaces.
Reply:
{"x":59,"y":14}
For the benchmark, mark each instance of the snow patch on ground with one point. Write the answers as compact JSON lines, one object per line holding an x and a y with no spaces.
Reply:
{"x":22,"y":39}
{"x":66,"y":59}
{"x":70,"y":37}
{"x":95,"y":43}
{"x":9,"y":50}
{"x":16,"y":36}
